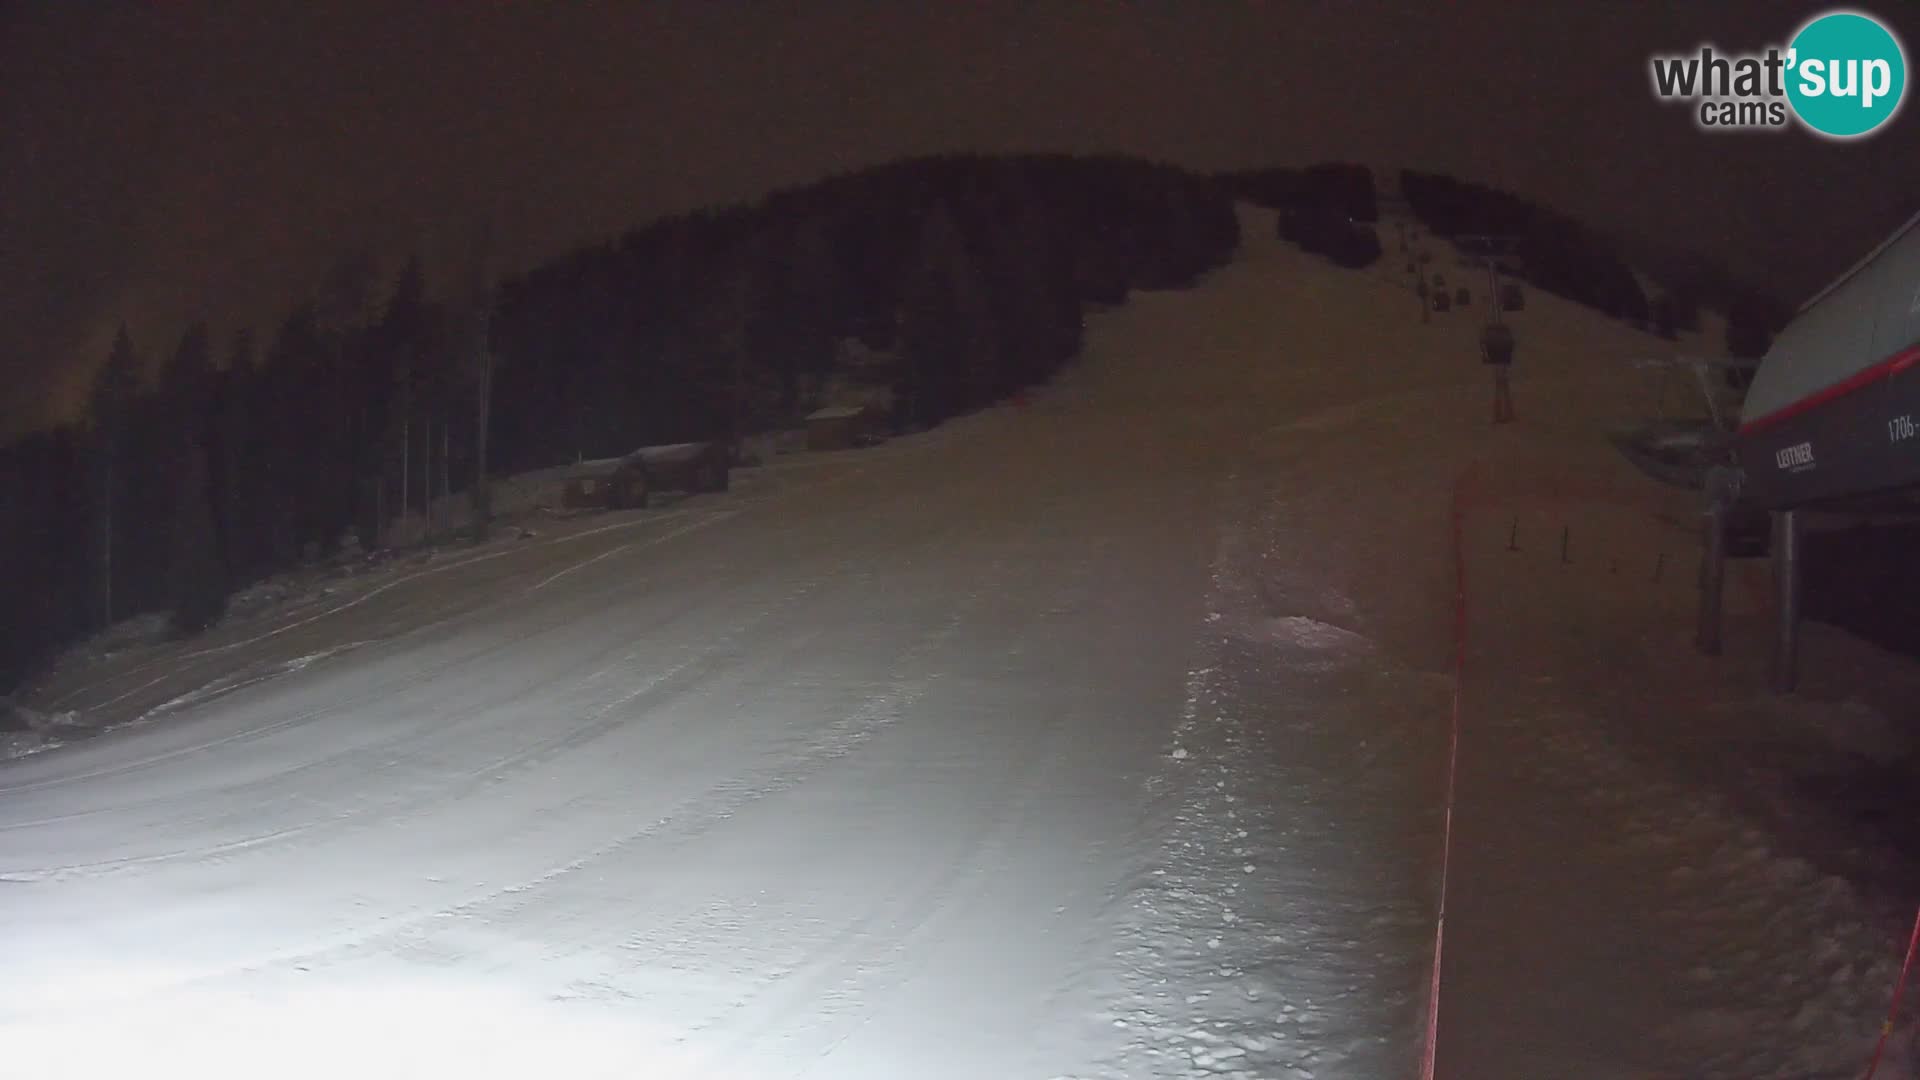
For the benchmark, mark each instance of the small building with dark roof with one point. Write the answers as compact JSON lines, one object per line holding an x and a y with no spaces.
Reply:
{"x":838,"y":427}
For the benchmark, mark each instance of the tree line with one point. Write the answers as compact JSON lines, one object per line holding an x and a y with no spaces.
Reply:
{"x":1320,"y":205}
{"x":1342,"y":188}
{"x":1562,"y":256}
{"x":1327,"y":209}
{"x":244,"y":457}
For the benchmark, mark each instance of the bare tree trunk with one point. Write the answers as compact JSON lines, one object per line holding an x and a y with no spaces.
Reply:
{"x":480,"y":346}
{"x":106,"y":546}
{"x":427,"y":507}
{"x":735,"y":423}
{"x":406,"y":467}
{"x":483,"y":402}
{"x":426,"y":476}
{"x":446,"y":455}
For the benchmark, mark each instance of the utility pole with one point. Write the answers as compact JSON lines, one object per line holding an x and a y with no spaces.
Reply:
{"x":406,"y":461}
{"x":478,"y":320}
{"x":106,"y":543}
{"x":735,"y":336}
{"x":739,"y":295}
{"x":482,"y":481}
{"x":1788,"y":542}
{"x":1722,"y":489}
{"x":1496,"y":346}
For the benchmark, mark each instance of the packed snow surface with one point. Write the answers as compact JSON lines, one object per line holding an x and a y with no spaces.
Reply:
{"x":1096,"y":736}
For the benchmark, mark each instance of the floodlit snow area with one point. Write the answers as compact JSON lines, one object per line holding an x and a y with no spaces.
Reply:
{"x":1099,"y":737}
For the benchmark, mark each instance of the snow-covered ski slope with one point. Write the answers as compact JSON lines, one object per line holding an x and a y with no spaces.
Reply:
{"x":1099,"y":737}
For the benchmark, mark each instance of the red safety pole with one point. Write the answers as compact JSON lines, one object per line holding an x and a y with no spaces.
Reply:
{"x":1886,"y":1029}
{"x":1459,"y":514}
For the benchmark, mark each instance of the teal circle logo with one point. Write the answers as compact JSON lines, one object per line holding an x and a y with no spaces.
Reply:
{"x":1847,"y":74}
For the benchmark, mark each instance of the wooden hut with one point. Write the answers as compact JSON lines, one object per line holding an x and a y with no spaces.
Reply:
{"x":690,"y":467}
{"x":838,"y":427}
{"x":606,"y":483}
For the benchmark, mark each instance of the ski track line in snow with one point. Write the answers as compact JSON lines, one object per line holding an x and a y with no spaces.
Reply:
{"x":907,"y":917}
{"x":544,"y":750}
{"x":417,"y":677}
{"x":989,"y":852}
{"x":910,"y":919}
{"x":652,"y":518}
{"x":173,"y":662}
{"x":413,"y":679}
{"x":877,"y":712}
{"x":683,"y":530}
{"x":375,"y":753}
{"x":372,"y":751}
{"x":664,"y":685}
{"x":385,"y":690}
{"x":877,"y":709}
{"x":413,"y":735}
{"x":546,"y":581}
{"x":198,"y":696}
{"x":230,"y":684}
{"x":689,"y":816}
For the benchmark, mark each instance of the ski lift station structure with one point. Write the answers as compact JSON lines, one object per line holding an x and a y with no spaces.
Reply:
{"x":1831,"y":423}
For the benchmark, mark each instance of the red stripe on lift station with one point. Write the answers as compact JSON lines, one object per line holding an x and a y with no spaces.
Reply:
{"x":1885,"y":369}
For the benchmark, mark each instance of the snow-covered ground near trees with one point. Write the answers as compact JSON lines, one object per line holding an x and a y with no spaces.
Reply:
{"x":1098,"y":737}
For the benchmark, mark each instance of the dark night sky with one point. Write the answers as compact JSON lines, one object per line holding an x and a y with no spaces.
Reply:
{"x":159,"y":161}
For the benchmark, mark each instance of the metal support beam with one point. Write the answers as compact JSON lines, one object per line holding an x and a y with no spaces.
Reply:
{"x":1786,"y":591}
{"x":1713,"y":579}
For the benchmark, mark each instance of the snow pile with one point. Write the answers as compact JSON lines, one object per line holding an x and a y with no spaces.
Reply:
{"x":127,"y":635}
{"x":28,"y":731}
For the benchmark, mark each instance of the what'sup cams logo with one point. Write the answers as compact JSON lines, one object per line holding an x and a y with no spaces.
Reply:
{"x":1843,"y":75}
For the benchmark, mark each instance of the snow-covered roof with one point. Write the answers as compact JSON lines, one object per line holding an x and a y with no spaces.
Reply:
{"x":1865,"y":260}
{"x":836,"y":412}
{"x":1867,"y":316}
{"x":594,"y":466}
{"x":685,"y":451}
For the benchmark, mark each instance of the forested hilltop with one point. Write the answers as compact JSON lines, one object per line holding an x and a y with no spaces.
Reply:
{"x":964,"y":277}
